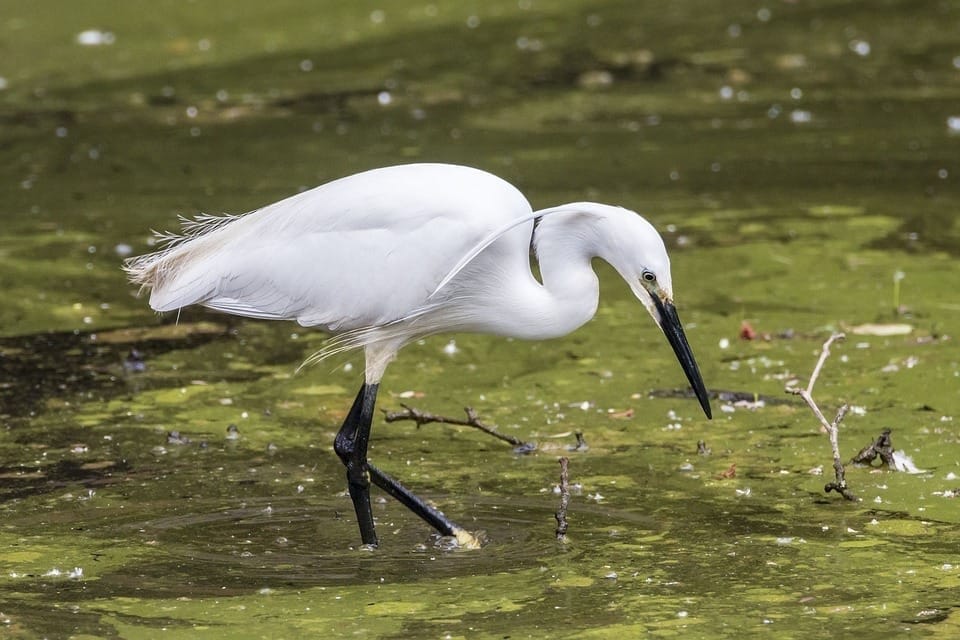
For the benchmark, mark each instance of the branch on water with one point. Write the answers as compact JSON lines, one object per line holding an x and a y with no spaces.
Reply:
{"x":832,"y":428}
{"x":561,"y":514}
{"x":473,"y":420}
{"x":882,"y":447}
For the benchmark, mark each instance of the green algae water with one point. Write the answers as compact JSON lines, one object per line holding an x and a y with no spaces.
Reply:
{"x":175,"y":477}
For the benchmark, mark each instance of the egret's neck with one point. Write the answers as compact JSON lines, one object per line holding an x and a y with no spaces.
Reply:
{"x":570,"y":290}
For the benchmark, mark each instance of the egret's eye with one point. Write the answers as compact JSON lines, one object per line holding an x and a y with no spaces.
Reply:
{"x":649,"y":276}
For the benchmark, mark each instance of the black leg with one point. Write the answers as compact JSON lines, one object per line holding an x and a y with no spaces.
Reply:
{"x":427,"y":513}
{"x":351,"y":446}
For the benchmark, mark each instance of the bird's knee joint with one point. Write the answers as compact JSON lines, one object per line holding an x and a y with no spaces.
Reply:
{"x":345,"y":448}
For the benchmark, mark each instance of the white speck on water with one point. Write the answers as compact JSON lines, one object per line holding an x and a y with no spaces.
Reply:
{"x":306,"y":65}
{"x":377,"y":16}
{"x":724,"y":343}
{"x":95,"y":38}
{"x":348,"y":367}
{"x":800,"y":116}
{"x":763,"y":14}
{"x":384,"y":98}
{"x":796,"y":93}
{"x":727,"y":408}
{"x":860,"y":47}
{"x":743,"y":492}
{"x":858,"y":410}
{"x":726,"y":92}
{"x":451,"y":348}
{"x":953,"y":124}
{"x":682,"y":614}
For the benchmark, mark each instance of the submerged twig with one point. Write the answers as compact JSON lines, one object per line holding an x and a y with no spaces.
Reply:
{"x":882,"y":447}
{"x":561,"y":514}
{"x":424,"y":417}
{"x":832,"y":428}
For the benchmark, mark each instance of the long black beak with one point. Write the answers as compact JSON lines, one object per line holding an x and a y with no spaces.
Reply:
{"x":670,"y":323}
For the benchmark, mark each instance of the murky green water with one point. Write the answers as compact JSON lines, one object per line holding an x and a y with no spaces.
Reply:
{"x":796,"y":155}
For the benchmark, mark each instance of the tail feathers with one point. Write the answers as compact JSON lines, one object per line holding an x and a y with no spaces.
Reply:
{"x":172,"y":286}
{"x":177,"y":275}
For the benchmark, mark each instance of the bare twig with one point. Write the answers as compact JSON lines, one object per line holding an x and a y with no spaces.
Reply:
{"x":561,"y":514}
{"x":424,"y":417}
{"x":832,"y":428}
{"x":581,"y":444}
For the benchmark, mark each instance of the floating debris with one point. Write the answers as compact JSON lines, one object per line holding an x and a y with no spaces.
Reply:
{"x":134,"y":362}
{"x":872,"y":329}
{"x":728,"y":473}
{"x":174,"y":437}
{"x":882,"y":448}
{"x":95,"y":38}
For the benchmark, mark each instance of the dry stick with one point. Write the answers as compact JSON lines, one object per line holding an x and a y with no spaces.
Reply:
{"x":424,"y":417}
{"x":561,"y":514}
{"x":832,"y":428}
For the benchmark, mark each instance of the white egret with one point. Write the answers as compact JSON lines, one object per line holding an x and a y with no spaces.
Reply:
{"x":391,"y":255}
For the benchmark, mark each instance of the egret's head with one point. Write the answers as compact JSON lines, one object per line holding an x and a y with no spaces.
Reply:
{"x":644,"y":264}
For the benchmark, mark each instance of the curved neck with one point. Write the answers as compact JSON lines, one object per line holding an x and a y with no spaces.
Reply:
{"x":564,"y":245}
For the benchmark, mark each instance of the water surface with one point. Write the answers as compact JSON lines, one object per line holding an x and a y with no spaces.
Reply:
{"x":796,"y":156}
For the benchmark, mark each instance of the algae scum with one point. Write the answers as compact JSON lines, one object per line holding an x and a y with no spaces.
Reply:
{"x":801,"y":162}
